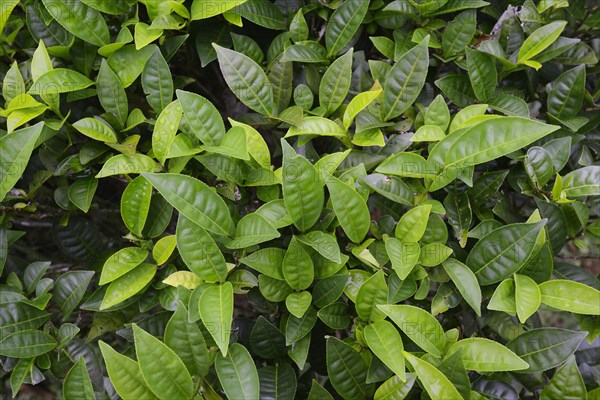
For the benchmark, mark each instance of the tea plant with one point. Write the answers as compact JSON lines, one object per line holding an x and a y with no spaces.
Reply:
{"x":286,"y":199}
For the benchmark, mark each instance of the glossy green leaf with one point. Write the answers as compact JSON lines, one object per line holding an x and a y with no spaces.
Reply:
{"x":527,"y":297}
{"x":545,"y":348}
{"x":247,"y":80}
{"x":195,"y":200}
{"x":122,"y":262}
{"x":335,"y":83}
{"x":59,"y":80}
{"x":200,"y":252}
{"x":165,"y":129}
{"x":81,"y":20}
{"x":302,"y":189}
{"x":343,"y":24}
{"x":251,"y":230}
{"x":277,"y":382}
{"x":157,"y":81}
{"x":164,"y":372}
{"x":128,"y":285}
{"x":267,"y":261}
{"x":329,"y":289}
{"x":26,"y":343}
{"x":394,"y":388}
{"x":164,"y":248}
{"x":435,"y":383}
{"x":539,"y":40}
{"x":16,"y":149}
{"x":570,"y":296}
{"x":482,"y":73}
{"x":111,"y":93}
{"x":125,"y":374}
{"x":485,"y":355}
{"x":298,"y":302}
{"x":210,"y":128}
{"x":350,"y":209}
{"x":70,"y":288}
{"x":81,"y":193}
{"x":371,"y":294}
{"x":582,"y":182}
{"x":298,"y":328}
{"x":503,"y":251}
{"x":216,"y":310}
{"x":347,"y":370}
{"x":297,"y":266}
{"x":420,"y":326}
{"x":96,"y":129}
{"x":465,"y":281}
{"x":405,"y":80}
{"x":237,"y":373}
{"x":357,"y":104}
{"x":324,"y":243}
{"x":128,"y":62}
{"x":566,"y":383}
{"x":123,"y":164}
{"x":186,"y":340}
{"x":566,"y":96}
{"x":135,"y":204}
{"x":77,"y":384}
{"x":403,"y":255}
{"x":263,"y":13}
{"x":202,"y":9}
{"x":412,"y":224}
{"x":459,"y":32}
{"x":385,"y":342}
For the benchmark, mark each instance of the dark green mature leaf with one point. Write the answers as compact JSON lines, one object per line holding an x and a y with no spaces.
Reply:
{"x":237,"y":373}
{"x":185,"y":339}
{"x":371,"y":294}
{"x":459,"y":33}
{"x":70,"y":288}
{"x":81,"y":20}
{"x":157,"y":81}
{"x":277,"y":382}
{"x":343,"y":24}
{"x":347,"y":370}
{"x":26,"y":343}
{"x":545,"y":348}
{"x":195,"y":200}
{"x":247,"y":80}
{"x":482,"y":73}
{"x":111,"y":93}
{"x":405,"y":80}
{"x":566,"y":383}
{"x":503,"y":251}
{"x":335,"y":83}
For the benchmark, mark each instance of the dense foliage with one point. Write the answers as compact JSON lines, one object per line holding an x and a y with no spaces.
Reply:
{"x":299,"y":199}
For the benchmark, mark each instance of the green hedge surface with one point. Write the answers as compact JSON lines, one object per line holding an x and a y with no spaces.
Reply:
{"x":299,"y":199}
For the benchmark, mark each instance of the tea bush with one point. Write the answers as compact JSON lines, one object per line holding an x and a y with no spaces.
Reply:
{"x":286,"y":199}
